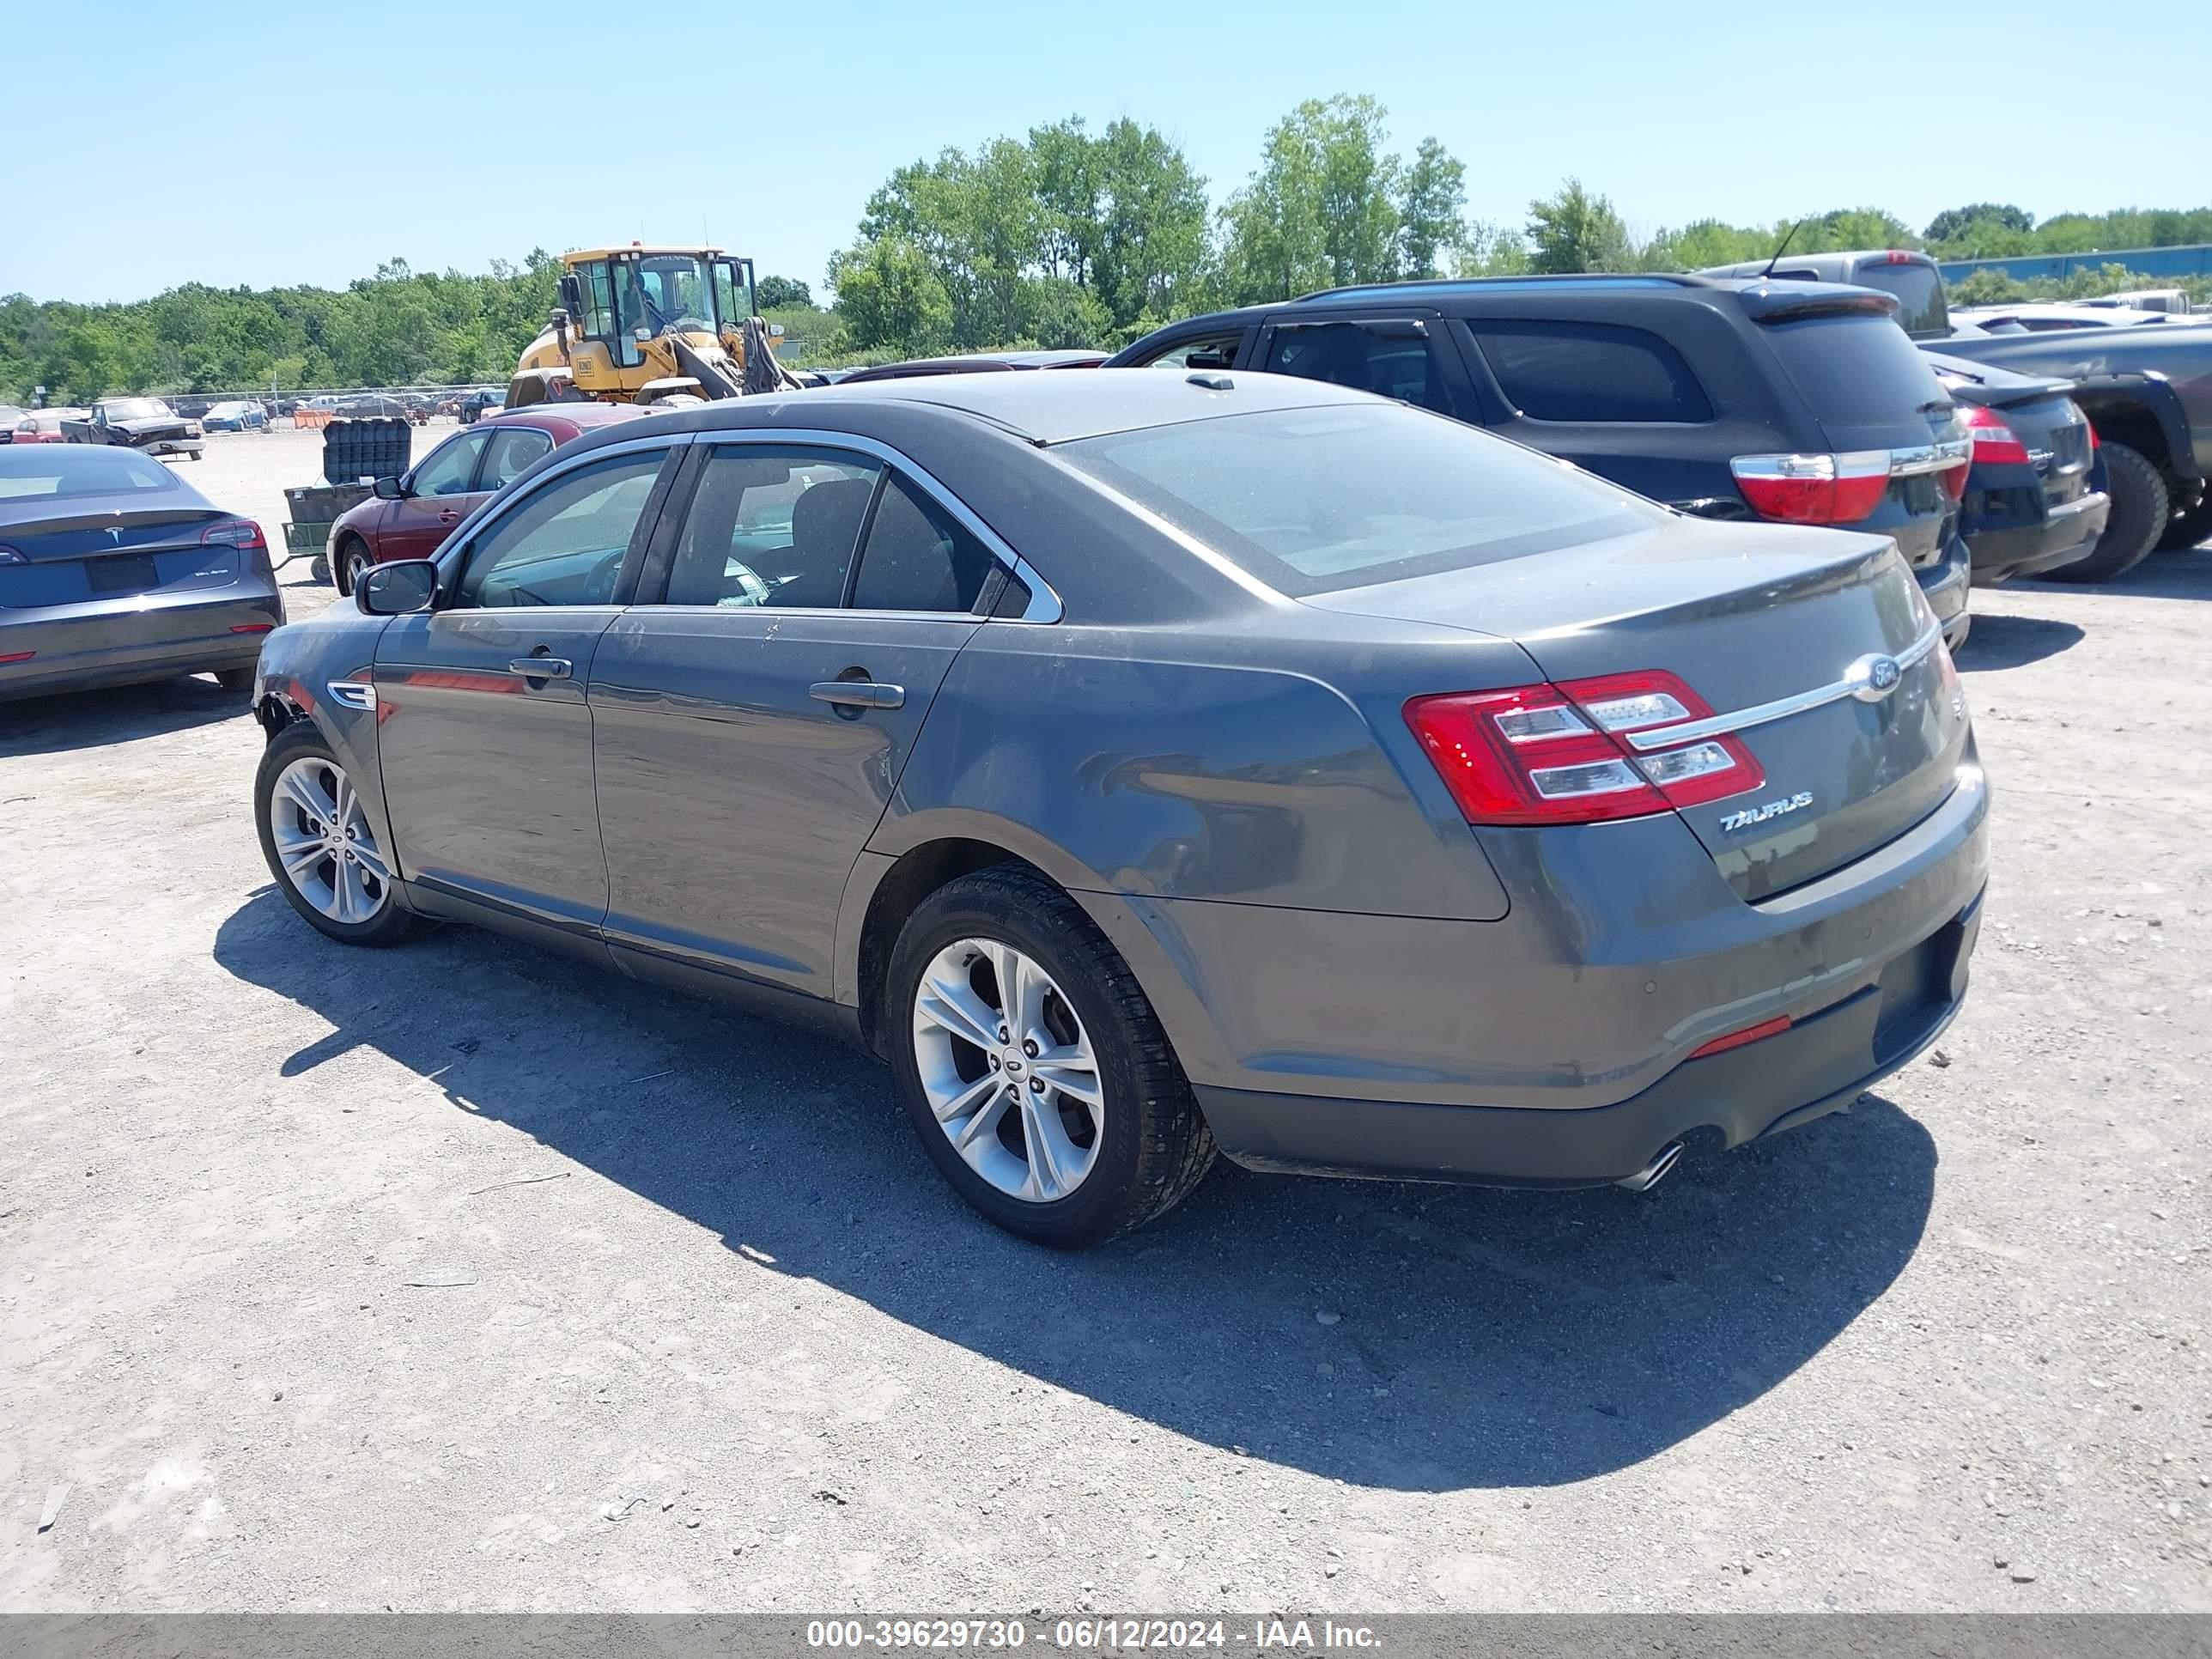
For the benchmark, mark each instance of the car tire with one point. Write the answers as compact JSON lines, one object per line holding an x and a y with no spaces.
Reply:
{"x":2138,"y":518}
{"x":234,"y":679}
{"x":1149,"y":1145}
{"x":310,"y":891}
{"x":351,"y":562}
{"x":2186,"y":529}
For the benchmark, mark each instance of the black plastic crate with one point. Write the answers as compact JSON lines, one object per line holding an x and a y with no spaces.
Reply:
{"x":379,"y":447}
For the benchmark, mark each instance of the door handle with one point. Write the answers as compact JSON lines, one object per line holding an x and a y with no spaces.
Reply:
{"x":541,"y":668}
{"x":858,"y":694}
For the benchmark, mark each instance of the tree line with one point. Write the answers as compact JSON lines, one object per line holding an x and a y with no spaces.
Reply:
{"x":1065,"y":236}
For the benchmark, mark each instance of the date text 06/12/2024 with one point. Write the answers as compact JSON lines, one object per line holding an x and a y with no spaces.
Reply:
{"x":1091,"y":1634}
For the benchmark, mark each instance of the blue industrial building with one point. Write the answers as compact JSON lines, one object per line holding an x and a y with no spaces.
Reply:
{"x":2194,"y":260}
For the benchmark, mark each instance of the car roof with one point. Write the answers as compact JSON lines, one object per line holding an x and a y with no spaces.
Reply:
{"x":977,"y":362}
{"x":1054,"y":409}
{"x":584,"y":417}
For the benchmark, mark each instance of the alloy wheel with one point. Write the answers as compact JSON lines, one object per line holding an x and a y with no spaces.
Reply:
{"x":1010,"y":1072}
{"x":325,"y":843}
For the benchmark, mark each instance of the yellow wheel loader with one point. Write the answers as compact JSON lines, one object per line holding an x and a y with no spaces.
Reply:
{"x":641,"y":324}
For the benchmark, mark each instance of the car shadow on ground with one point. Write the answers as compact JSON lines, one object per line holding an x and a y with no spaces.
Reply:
{"x":90,"y":720}
{"x":2186,"y":574}
{"x":2007,"y":641}
{"x":1472,"y":1338}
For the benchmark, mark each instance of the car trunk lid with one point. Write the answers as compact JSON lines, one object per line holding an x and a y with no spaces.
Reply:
{"x":1773,"y":629}
{"x":75,"y":560}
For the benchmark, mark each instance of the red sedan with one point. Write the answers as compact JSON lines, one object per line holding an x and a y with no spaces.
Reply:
{"x":411,"y":516}
{"x":43,"y":426}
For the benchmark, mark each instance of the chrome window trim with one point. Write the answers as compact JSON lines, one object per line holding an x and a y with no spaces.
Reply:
{"x":1044,"y":605}
{"x":1801,"y":703}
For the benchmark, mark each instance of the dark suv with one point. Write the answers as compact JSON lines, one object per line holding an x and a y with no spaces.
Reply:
{"x":1737,"y":399}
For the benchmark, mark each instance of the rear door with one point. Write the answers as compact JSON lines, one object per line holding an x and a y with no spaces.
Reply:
{"x":483,"y":734}
{"x":437,"y":495}
{"x":752,"y":722}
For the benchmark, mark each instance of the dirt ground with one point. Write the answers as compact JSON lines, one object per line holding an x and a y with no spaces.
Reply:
{"x":455,"y":1277}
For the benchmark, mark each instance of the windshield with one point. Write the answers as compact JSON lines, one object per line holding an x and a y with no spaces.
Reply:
{"x":134,"y":408}
{"x":1311,"y":500}
{"x":57,"y":471}
{"x":665,"y":291}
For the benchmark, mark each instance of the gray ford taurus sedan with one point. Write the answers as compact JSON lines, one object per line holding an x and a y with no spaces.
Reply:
{"x":113,"y":569}
{"x":1146,"y":763}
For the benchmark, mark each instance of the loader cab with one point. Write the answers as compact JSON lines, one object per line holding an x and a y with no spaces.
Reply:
{"x":633,"y":294}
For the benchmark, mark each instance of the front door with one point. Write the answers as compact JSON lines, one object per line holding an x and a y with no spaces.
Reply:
{"x":483,"y":736}
{"x":436,"y":496}
{"x":752,"y":726}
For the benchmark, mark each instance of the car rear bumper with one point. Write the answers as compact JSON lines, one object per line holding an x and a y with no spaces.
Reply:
{"x":1552,"y":1045}
{"x":111,"y":646}
{"x":1821,"y":1064}
{"x":1945,"y":583}
{"x":2067,"y":531}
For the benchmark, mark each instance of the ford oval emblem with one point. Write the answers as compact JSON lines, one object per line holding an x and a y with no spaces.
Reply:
{"x":1874,"y":677}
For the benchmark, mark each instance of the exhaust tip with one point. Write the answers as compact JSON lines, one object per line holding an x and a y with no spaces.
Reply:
{"x":1655,"y":1171}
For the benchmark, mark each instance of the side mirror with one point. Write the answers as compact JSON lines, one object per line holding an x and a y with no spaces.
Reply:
{"x":571,"y":293}
{"x":388,"y":490}
{"x":399,"y":589}
{"x":775,"y":331}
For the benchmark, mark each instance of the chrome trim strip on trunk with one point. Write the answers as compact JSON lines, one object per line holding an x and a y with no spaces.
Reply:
{"x":1930,"y":458}
{"x":1671,"y":736}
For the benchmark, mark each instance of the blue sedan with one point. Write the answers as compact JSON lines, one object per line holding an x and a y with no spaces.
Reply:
{"x":242,"y":416}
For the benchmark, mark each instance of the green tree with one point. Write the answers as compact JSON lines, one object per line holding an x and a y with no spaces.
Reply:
{"x":890,"y":296}
{"x":1574,"y":230}
{"x":1946,"y":225}
{"x":1431,"y":211}
{"x":776,"y":293}
{"x":1320,"y":212}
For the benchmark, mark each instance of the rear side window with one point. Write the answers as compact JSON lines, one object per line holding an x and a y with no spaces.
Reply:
{"x":1314,"y":499}
{"x":1590,"y":371}
{"x":1857,"y":370}
{"x":916,"y":558}
{"x":1392,"y":359}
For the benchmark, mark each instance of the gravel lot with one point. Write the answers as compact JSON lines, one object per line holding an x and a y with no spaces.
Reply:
{"x":727,"y":1342}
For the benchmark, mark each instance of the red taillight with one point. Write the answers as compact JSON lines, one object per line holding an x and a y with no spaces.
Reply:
{"x":1897,"y":257}
{"x":2094,"y":440}
{"x":1994,"y":440}
{"x":1553,"y":754}
{"x":18,"y":656}
{"x":252,"y":627}
{"x":1721,"y":1045}
{"x":235,"y":533}
{"x":1814,"y":488}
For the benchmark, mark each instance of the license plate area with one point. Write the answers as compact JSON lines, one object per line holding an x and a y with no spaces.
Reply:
{"x":128,"y":572}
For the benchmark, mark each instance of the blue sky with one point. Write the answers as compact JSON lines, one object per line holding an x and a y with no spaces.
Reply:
{"x":307,"y":141}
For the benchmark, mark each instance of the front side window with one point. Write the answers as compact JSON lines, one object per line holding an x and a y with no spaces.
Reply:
{"x":917,"y":558}
{"x":1203,"y":351}
{"x":564,"y":543}
{"x":1392,"y":359}
{"x":449,"y":470}
{"x":513,"y":448}
{"x":772,"y":525}
{"x":1590,"y":371}
{"x":1313,"y":500}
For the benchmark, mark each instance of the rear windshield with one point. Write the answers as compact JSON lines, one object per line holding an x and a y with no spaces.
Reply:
{"x":60,"y":471}
{"x":1315,"y":500}
{"x":1857,"y":370}
{"x":1919,"y":291}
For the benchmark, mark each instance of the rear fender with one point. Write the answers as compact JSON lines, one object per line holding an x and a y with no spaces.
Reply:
{"x":2144,"y":412}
